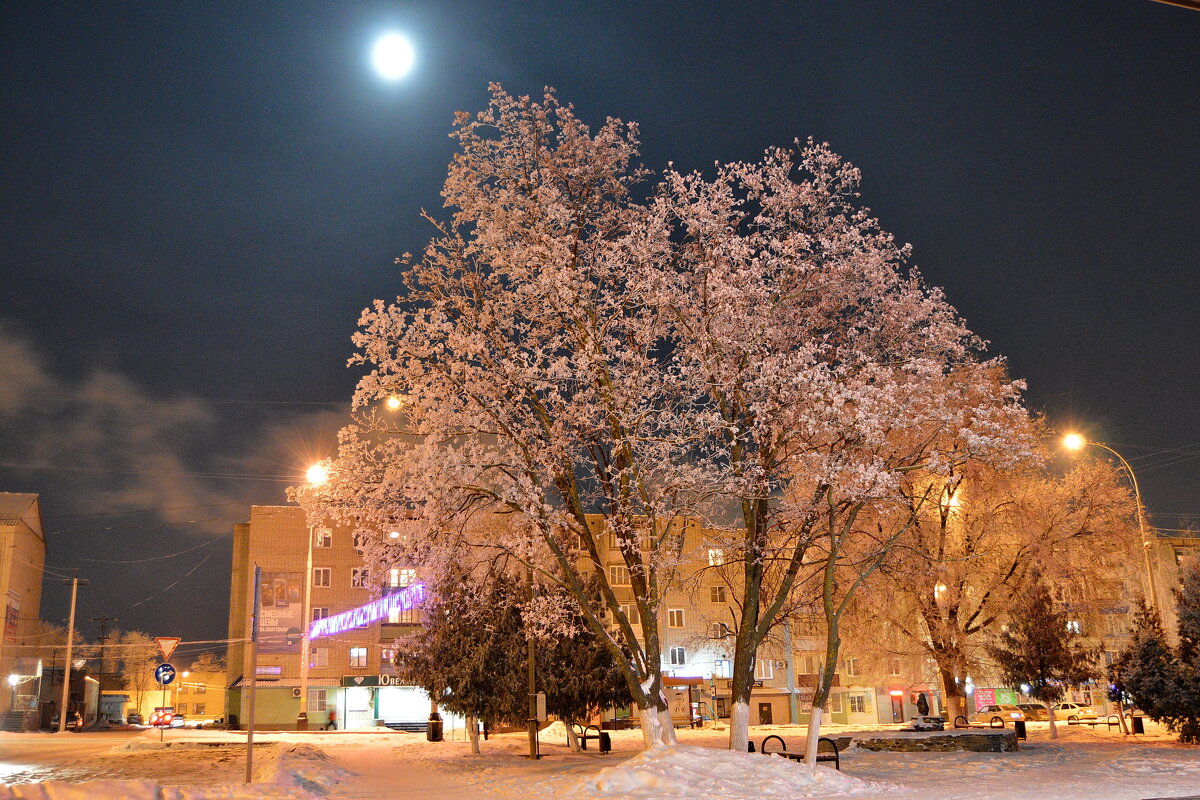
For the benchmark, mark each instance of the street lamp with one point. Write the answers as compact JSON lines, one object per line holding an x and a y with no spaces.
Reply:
{"x":1076,"y":442}
{"x":13,"y":680}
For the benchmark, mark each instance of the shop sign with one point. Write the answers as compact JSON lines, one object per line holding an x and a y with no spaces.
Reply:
{"x":372,"y":680}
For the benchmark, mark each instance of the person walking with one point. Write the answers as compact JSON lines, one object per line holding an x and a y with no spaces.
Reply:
{"x":331,"y":725}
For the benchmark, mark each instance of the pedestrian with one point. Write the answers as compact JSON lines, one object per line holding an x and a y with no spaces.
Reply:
{"x":331,"y":725}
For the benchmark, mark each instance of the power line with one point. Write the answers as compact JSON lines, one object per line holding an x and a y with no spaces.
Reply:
{"x":156,"y":558}
{"x":224,"y":475}
{"x":173,"y":584}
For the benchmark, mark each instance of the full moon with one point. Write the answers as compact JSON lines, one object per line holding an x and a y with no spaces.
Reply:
{"x":392,"y":56}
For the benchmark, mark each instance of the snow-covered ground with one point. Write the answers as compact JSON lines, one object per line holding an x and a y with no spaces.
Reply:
{"x":1082,"y":763}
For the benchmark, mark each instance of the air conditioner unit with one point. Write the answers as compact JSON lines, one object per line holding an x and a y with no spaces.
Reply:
{"x":296,"y":692}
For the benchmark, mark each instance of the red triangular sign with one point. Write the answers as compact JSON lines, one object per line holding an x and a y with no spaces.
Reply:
{"x":167,"y":645}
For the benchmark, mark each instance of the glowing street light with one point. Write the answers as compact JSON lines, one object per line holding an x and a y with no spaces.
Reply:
{"x":393,"y":403}
{"x":316,"y":475}
{"x":1076,"y":442}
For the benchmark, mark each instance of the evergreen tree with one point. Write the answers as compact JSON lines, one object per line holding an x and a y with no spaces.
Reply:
{"x":1038,"y":649}
{"x":1161,"y":680}
{"x":472,"y":653}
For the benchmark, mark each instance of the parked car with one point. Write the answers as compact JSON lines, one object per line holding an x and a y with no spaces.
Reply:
{"x":1035,"y":712}
{"x":1068,"y":711}
{"x":179,"y":721}
{"x":134,"y":719}
{"x":1005,"y":713}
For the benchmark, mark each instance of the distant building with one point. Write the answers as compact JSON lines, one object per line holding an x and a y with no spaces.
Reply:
{"x":22,"y":557}
{"x":1172,"y":557}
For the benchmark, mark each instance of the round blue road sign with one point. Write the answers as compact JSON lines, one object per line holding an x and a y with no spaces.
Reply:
{"x":164,"y":674}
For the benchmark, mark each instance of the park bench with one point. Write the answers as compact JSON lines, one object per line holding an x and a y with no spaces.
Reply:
{"x":827,"y":750}
{"x":1112,"y":721}
{"x":581,"y":732}
{"x":962,"y":722}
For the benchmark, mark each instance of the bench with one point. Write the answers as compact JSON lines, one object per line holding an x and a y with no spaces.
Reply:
{"x":827,"y":750}
{"x":962,"y":722}
{"x":1112,"y":721}
{"x":581,"y":732}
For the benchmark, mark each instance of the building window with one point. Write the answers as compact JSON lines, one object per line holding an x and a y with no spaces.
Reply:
{"x":316,"y":699}
{"x":358,"y":657}
{"x":631,"y":613}
{"x":319,"y":613}
{"x":722,"y":668}
{"x":1072,"y":626}
{"x":180,"y":709}
{"x":183,"y":689}
{"x":318,"y":657}
{"x":323,"y":539}
{"x":716,"y":556}
{"x":618,"y":575}
{"x":719,"y":630}
{"x":835,"y":703}
{"x":358,"y":578}
{"x":895,"y":666}
{"x":764,"y":669}
{"x":851,"y":666}
{"x":404,"y":616}
{"x":200,"y":708}
{"x":200,"y":688}
{"x":678,"y":656}
{"x":716,"y":594}
{"x":399,"y":578}
{"x":321,"y":576}
{"x":812,"y":665}
{"x":858,"y":704}
{"x":675,"y":618}
{"x":387,"y":661}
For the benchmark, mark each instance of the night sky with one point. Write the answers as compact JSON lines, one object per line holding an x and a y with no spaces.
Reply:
{"x":197,"y":199}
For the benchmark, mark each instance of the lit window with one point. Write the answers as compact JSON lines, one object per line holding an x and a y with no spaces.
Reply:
{"x":675,"y":618}
{"x":180,"y":709}
{"x":716,"y":556}
{"x":764,"y":669}
{"x":678,"y":656}
{"x":716,"y":594}
{"x":199,"y":708}
{"x":387,"y":660}
{"x":321,"y":576}
{"x":851,"y":666}
{"x":812,"y":665}
{"x":323,"y":538}
{"x":316,"y":699}
{"x":722,"y":668}
{"x":1073,"y":626}
{"x":319,"y":613}
{"x":404,"y":616}
{"x":318,"y":657}
{"x":618,"y":575}
{"x":358,"y":578}
{"x":358,"y":657}
{"x":398,"y":578}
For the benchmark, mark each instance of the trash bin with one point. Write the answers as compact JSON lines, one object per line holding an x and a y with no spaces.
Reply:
{"x":605,"y":742}
{"x":434,"y":732}
{"x":1138,"y":725}
{"x":1019,"y":727}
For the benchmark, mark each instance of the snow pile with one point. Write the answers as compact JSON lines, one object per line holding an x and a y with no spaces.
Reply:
{"x":687,"y":771}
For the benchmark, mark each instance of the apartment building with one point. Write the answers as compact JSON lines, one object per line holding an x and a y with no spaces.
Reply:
{"x":22,"y":556}
{"x":305,"y":575}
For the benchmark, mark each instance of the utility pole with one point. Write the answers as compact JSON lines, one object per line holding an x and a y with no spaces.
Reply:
{"x":102,"y":638}
{"x":254,"y":612}
{"x":531,"y":675}
{"x":66,"y":689}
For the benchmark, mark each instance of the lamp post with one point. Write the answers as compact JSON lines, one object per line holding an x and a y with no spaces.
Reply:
{"x":316,"y":475}
{"x":1076,"y":442}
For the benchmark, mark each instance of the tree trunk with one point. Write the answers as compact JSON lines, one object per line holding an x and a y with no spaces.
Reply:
{"x":952,"y":690}
{"x":741,"y":687}
{"x":1050,"y":709}
{"x":821,"y":693}
{"x":572,"y":737}
{"x":473,"y":733}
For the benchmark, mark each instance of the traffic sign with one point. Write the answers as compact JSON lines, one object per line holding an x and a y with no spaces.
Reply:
{"x":167,"y":645}
{"x":164,"y":674}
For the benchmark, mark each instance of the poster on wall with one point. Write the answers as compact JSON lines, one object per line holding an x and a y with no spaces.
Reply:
{"x":12,"y":617}
{"x":984,"y":697}
{"x":282,"y":611}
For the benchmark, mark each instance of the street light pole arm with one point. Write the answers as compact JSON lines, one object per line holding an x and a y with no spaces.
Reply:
{"x":1141,"y":520}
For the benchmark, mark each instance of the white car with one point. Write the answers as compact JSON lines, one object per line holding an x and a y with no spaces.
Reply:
{"x":1074,"y":710}
{"x":1005,"y":713}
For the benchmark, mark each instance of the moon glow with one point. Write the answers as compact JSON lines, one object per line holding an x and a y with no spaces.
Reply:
{"x":392,"y":56}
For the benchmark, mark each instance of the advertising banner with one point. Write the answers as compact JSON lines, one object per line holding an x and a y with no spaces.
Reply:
{"x":984,"y":697}
{"x":281,"y":613}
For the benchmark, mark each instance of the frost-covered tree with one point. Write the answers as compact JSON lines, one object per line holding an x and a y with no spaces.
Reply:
{"x":1040,"y":650}
{"x":832,"y":371}
{"x":1162,"y":680}
{"x":969,"y":558}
